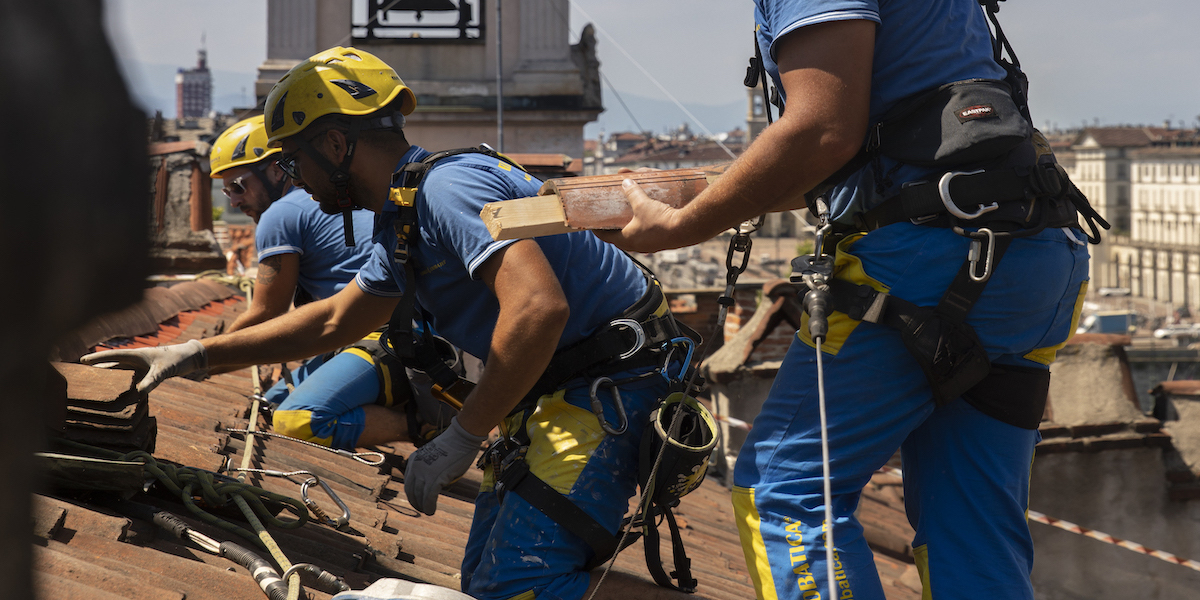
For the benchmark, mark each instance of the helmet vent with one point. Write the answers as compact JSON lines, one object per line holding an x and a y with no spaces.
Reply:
{"x":240,"y":151}
{"x":277,"y":114}
{"x":356,"y":89}
{"x":298,"y":117}
{"x":258,"y":151}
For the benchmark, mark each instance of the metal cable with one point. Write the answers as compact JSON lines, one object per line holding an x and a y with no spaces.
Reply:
{"x":358,"y":456}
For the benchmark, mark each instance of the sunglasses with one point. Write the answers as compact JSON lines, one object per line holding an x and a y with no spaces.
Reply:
{"x":234,"y":187}
{"x":289,"y":167}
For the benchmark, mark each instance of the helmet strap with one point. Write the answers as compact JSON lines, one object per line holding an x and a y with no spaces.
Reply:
{"x":274,"y":189}
{"x":339,"y":176}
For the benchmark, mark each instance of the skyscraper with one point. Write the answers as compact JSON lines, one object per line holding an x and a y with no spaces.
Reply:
{"x":193,"y":89}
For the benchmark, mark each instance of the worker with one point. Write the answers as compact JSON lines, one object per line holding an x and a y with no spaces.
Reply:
{"x":301,"y":252}
{"x":342,"y":399}
{"x":554,"y":317}
{"x":842,"y":67}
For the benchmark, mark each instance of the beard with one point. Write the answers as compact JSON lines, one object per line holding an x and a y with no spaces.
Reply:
{"x":330,"y":208}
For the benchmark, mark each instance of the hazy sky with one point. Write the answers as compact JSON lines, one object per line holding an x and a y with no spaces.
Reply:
{"x":1113,"y":60}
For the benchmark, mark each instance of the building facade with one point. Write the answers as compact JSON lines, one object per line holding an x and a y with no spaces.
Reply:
{"x":193,"y":89}
{"x":1146,"y":183}
{"x":446,"y":51}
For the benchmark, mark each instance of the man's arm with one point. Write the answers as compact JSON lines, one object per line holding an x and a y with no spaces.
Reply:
{"x":312,"y":329}
{"x":825,"y":70}
{"x":274,"y":289}
{"x":533,"y":313}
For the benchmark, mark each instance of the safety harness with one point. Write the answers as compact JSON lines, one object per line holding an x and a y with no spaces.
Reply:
{"x":999,"y":181}
{"x":644,"y":335}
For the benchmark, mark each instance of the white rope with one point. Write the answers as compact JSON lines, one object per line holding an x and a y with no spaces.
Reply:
{"x":825,"y":473}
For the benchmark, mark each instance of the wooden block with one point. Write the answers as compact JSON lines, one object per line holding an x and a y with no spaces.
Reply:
{"x":525,"y":218}
{"x":593,"y":202}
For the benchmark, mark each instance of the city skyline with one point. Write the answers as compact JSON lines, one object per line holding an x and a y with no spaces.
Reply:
{"x":1093,"y":62}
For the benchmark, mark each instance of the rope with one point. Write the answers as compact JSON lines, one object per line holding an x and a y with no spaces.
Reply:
{"x":828,"y":486}
{"x":189,"y":482}
{"x":358,"y":456}
{"x":264,"y":539}
{"x":1038,"y":517}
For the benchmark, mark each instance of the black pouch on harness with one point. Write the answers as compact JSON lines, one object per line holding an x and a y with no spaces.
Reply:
{"x":957,"y":123}
{"x":950,"y":354}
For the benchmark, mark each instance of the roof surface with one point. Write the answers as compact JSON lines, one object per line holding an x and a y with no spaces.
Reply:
{"x":85,"y":550}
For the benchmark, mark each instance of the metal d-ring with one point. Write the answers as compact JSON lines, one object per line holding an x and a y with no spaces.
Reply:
{"x":948,"y":202}
{"x":639,"y":337}
{"x":598,"y":407}
{"x":339,"y":522}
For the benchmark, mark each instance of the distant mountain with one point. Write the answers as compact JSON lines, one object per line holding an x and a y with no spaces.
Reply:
{"x":661,"y":115}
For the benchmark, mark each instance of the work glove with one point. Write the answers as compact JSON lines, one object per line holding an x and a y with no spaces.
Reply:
{"x":438,"y":463}
{"x":153,"y":365}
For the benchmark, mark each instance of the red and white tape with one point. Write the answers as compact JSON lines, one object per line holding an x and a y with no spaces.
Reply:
{"x":1108,"y":539}
{"x":732,"y":422}
{"x":1092,"y":533}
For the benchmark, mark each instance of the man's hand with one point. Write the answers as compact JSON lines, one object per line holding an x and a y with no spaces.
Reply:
{"x":652,"y":227}
{"x":439,"y":462}
{"x":153,"y":365}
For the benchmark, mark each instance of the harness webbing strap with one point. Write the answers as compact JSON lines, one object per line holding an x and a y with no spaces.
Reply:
{"x":683,"y":564}
{"x":516,"y":478}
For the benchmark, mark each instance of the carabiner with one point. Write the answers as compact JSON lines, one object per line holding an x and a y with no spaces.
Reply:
{"x":948,"y":202}
{"x":598,"y":407}
{"x":974,"y":252}
{"x":639,"y":336}
{"x":684,"y":341}
{"x":338,"y":523}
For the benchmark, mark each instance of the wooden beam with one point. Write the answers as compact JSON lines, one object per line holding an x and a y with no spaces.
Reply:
{"x":525,"y":218}
{"x":593,"y":202}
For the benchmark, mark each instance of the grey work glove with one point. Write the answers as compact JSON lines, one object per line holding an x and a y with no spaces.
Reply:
{"x":438,"y":463}
{"x":153,"y":365}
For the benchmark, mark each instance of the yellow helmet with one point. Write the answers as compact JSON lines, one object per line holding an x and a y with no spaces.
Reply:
{"x":344,"y":81}
{"x":244,"y":143}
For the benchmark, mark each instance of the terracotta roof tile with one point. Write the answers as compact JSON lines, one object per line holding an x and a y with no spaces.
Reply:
{"x":84,"y":551}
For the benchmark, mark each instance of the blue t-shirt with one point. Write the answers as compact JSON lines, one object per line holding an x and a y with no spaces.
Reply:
{"x":599,"y":281}
{"x":919,"y":45}
{"x":295,"y":223}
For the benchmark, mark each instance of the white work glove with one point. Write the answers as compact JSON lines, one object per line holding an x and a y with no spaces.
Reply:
{"x":438,"y":463}
{"x":153,"y":365}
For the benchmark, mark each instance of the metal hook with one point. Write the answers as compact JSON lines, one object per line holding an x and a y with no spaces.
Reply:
{"x":974,"y":251}
{"x":948,"y":202}
{"x":598,"y":407}
{"x":338,"y":523}
{"x":639,"y":336}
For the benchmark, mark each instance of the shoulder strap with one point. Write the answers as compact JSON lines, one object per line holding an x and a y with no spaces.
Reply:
{"x":399,"y":340}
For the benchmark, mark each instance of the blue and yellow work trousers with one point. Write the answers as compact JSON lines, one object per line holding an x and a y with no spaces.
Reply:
{"x":516,"y":551}
{"x":966,"y":474}
{"x":326,"y":405}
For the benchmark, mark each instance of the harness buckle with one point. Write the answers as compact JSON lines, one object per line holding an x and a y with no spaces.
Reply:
{"x":598,"y":407}
{"x":974,"y":252}
{"x":948,"y":202}
{"x":639,"y":337}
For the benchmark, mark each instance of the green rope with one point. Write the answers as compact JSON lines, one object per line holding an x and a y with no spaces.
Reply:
{"x":189,"y":483}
